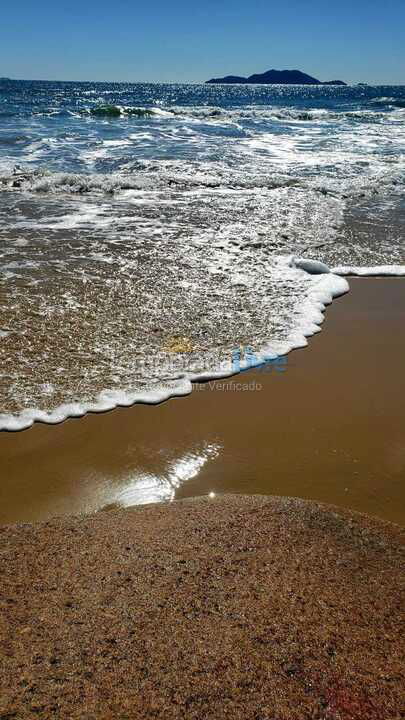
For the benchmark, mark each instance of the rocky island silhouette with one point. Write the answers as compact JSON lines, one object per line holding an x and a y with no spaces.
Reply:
{"x":275,"y":77}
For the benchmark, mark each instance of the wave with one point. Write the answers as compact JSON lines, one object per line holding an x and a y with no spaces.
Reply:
{"x":111,"y":111}
{"x":324,"y":289}
{"x":106,"y":111}
{"x":102,"y":111}
{"x":212,"y":113}
{"x":328,"y":284}
{"x":207,"y":113}
{"x":390,"y":102}
{"x":151,"y":176}
{"x":144,"y":178}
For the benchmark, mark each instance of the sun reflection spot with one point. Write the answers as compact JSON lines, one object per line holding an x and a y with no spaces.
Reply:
{"x":141,"y":488}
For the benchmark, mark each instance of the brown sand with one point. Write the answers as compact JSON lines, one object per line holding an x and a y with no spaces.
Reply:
{"x":240,"y":607}
{"x":330,"y":427}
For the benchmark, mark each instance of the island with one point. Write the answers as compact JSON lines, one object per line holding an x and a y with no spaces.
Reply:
{"x":275,"y":77}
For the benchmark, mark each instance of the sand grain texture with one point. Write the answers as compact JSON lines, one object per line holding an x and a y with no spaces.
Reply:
{"x":238,"y":607}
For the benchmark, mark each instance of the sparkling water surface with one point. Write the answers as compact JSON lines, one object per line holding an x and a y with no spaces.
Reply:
{"x":146,"y":231}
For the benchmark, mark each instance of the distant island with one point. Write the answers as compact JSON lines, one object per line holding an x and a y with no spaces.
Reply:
{"x":275,"y":77}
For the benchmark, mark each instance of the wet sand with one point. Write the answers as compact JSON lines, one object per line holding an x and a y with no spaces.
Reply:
{"x":328,"y":425}
{"x":239,"y":607}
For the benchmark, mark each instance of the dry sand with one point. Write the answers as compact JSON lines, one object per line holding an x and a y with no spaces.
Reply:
{"x":329,"y":427}
{"x":239,"y":607}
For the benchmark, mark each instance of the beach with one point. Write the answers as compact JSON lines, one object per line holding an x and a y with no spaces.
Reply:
{"x":325,"y":424}
{"x":202,"y":317}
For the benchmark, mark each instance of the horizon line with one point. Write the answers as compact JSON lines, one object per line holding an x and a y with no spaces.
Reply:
{"x":190,"y":82}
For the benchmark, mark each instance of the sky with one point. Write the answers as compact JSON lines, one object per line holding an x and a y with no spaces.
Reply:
{"x":186,"y":41}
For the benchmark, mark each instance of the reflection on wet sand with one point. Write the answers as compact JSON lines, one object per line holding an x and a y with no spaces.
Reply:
{"x":329,"y":426}
{"x":142,"y":488}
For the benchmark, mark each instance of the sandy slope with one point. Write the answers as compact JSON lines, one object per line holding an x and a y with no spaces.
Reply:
{"x":237,"y":607}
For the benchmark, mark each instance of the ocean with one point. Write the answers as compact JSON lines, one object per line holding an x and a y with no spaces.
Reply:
{"x":151,"y":234}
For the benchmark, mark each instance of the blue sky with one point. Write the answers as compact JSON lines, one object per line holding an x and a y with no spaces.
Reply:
{"x":175,"y":40}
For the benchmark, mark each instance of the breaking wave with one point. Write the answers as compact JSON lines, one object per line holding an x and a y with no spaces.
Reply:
{"x":111,"y":111}
{"x":174,"y":176}
{"x":385,"y":107}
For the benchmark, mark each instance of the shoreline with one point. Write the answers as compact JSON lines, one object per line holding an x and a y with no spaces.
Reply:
{"x":326,"y":287}
{"x":242,"y":606}
{"x":326,"y":426}
{"x":335,"y":282}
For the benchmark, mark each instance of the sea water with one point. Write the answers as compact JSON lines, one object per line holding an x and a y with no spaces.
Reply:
{"x":148,"y":232}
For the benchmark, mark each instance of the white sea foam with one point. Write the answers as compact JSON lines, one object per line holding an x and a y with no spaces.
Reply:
{"x":376,"y":271}
{"x":328,"y":285}
{"x":254,"y":113}
{"x":313,"y":267}
{"x":321,"y":293}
